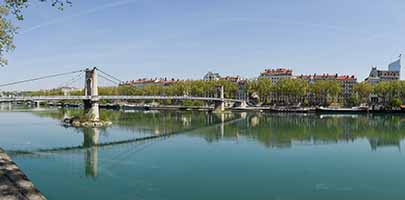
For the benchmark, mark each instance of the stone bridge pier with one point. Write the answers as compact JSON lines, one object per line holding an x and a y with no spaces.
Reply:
{"x":220,"y":105}
{"x":91,"y":105}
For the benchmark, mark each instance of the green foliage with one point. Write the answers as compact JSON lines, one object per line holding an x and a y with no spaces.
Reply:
{"x":17,"y":6}
{"x":8,"y":30}
{"x":7,"y":33}
{"x":326,"y":90}
{"x":52,"y":92}
{"x":390,"y":90}
{"x":395,"y":102}
{"x":293,"y":90}
{"x":354,"y":100}
{"x":363,"y":90}
{"x":263,"y":88}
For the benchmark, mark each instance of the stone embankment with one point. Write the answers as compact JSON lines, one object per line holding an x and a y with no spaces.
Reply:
{"x":14,"y":184}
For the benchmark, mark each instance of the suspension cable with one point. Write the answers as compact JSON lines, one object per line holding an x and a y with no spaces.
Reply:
{"x":108,"y":79}
{"x":39,"y":78}
{"x":73,"y":80}
{"x":111,"y":76}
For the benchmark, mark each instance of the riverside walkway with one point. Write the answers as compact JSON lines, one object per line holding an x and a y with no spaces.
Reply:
{"x":14,"y":184}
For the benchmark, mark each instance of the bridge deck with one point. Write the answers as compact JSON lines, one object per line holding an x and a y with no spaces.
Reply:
{"x":58,"y":98}
{"x":14,"y":185}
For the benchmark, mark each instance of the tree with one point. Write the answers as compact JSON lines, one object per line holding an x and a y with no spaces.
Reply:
{"x":363,"y":90}
{"x":382,"y":90}
{"x":292,"y":90}
{"x":264,"y":88}
{"x":8,"y":30}
{"x":354,"y":100}
{"x":326,"y":91}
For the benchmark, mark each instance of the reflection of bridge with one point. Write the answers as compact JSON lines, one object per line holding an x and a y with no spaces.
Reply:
{"x":91,"y":95}
{"x":91,"y":144}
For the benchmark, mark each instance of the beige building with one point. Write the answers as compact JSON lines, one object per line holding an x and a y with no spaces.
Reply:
{"x":277,"y":74}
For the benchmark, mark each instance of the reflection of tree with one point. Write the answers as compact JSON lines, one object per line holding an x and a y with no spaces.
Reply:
{"x":151,"y":122}
{"x":281,"y":130}
{"x":272,"y":130}
{"x":381,"y":142}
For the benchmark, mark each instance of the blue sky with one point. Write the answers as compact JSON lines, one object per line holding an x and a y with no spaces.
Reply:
{"x":186,"y":38}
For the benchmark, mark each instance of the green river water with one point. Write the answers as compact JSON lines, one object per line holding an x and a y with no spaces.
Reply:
{"x":210,"y":156}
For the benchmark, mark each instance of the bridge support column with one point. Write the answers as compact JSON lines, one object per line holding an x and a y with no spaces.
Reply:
{"x":91,"y":105}
{"x":220,"y":105}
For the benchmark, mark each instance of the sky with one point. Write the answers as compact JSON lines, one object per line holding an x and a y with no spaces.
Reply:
{"x":184,"y":39}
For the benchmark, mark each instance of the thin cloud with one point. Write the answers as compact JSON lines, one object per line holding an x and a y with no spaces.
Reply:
{"x":321,"y":26}
{"x":79,"y":14}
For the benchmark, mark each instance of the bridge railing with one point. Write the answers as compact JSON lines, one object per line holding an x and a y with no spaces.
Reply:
{"x":120,"y":97}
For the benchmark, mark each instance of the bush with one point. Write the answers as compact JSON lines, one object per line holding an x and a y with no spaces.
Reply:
{"x":354,"y":100}
{"x":396,"y":102}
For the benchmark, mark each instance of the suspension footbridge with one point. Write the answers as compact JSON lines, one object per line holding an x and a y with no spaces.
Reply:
{"x":91,"y":95}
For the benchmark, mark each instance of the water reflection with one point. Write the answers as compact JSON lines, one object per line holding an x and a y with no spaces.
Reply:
{"x":90,"y":142}
{"x":287,"y":130}
{"x":152,"y":125}
{"x":6,"y":106}
{"x":270,"y":130}
{"x":212,"y":150}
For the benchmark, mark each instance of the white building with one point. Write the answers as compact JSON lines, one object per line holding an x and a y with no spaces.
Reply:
{"x":211,"y":76}
{"x":392,"y":74}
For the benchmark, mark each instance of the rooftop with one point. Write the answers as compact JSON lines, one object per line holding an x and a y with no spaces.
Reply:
{"x":328,"y":76}
{"x":277,"y":72}
{"x":152,"y":81}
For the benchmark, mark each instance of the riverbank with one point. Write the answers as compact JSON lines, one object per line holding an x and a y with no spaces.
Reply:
{"x":14,"y":184}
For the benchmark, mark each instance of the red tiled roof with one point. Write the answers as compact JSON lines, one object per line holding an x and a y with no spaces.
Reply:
{"x":279,"y":71}
{"x":328,"y":76}
{"x":156,"y":80}
{"x":346,"y":77}
{"x":231,"y":78}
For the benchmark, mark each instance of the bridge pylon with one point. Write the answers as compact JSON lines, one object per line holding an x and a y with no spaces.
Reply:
{"x":91,"y":104}
{"x":220,"y":105}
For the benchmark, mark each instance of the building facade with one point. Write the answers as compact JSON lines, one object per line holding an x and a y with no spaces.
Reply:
{"x":211,"y":76}
{"x":347,"y":83}
{"x":275,"y":75}
{"x":392,"y":74}
{"x":377,"y":76}
{"x":156,"y":81}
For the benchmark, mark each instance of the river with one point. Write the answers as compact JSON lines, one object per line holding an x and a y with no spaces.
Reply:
{"x":209,"y":156}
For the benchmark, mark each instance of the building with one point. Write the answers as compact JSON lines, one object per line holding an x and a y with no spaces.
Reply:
{"x":242,"y":91}
{"x":392,"y":74}
{"x":67,"y":90}
{"x":277,"y":74}
{"x":156,"y":81}
{"x":377,"y":76}
{"x":396,"y":65}
{"x":235,"y":79}
{"x":211,"y":76}
{"x":347,"y":83}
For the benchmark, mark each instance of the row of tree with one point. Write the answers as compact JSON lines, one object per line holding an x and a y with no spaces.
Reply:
{"x":293,"y":91}
{"x":262,"y":90}
{"x":389,"y":93}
